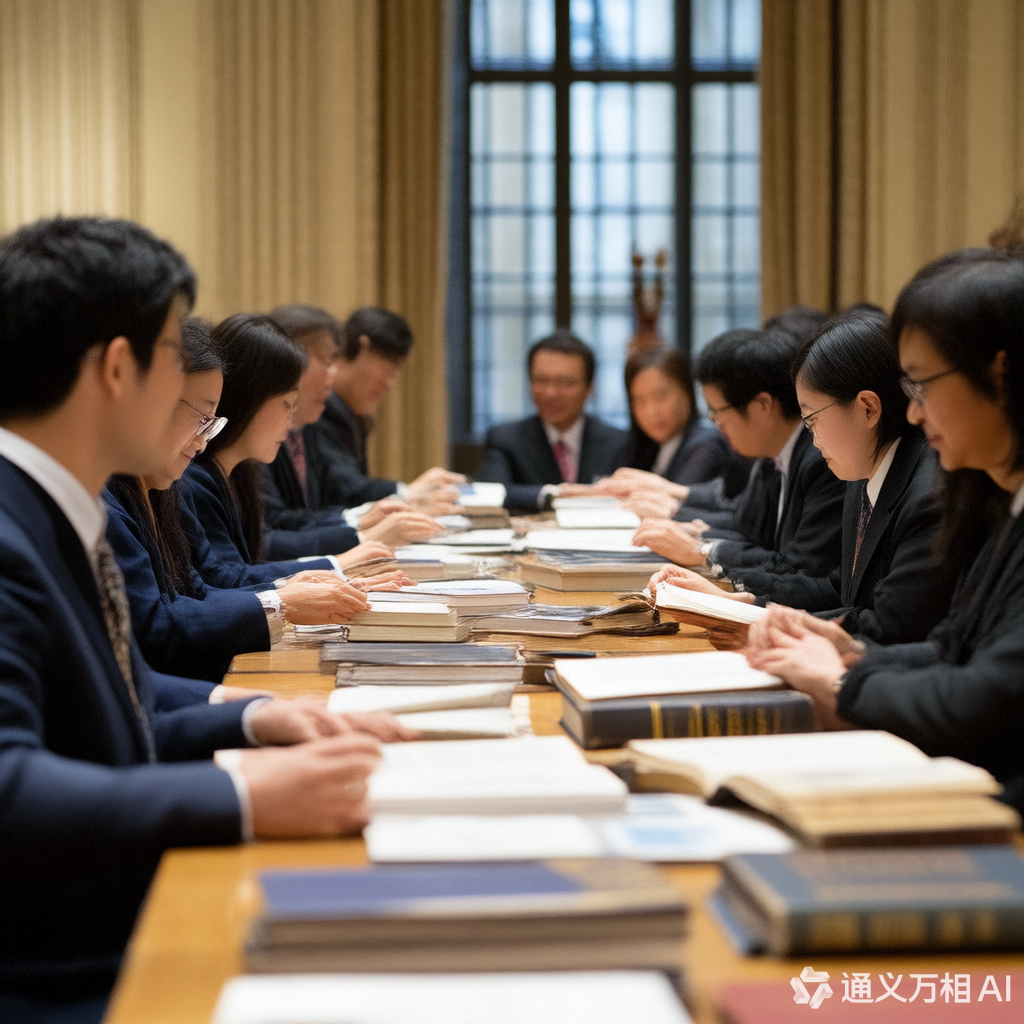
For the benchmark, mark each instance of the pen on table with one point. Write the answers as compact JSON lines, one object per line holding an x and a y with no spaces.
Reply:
{"x":566,"y":654}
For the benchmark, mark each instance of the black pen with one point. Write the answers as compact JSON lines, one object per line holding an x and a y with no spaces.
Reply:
{"x":565,"y":654}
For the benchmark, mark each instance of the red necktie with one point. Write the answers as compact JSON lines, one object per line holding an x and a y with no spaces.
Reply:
{"x":564,"y":460}
{"x":297,"y":453}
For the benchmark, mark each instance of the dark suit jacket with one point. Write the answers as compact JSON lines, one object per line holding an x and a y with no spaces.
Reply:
{"x":808,"y":537}
{"x":518,"y":455}
{"x":83,"y":816}
{"x":899,"y":591}
{"x":294,"y":524}
{"x":184,"y":635}
{"x":961,"y":692}
{"x":206,"y":496}
{"x":339,"y":441}
{"x":702,"y":454}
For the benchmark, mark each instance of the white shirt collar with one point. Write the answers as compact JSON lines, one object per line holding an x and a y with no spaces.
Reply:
{"x":572,"y":438}
{"x":666,"y":453}
{"x":874,"y":485}
{"x":85,"y":513}
{"x":1017,"y":505}
{"x":783,"y":459}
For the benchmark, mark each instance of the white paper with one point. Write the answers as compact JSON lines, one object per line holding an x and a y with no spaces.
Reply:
{"x":548,"y":997}
{"x":583,"y":540}
{"x":661,"y":674}
{"x":461,"y":721}
{"x":475,"y":538}
{"x":407,"y":699}
{"x":597,"y":519}
{"x":481,"y":495}
{"x":717,"y":607}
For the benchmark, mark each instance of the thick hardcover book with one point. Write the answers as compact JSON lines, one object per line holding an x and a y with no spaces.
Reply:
{"x":570,"y":571}
{"x":468,"y":917}
{"x":845,"y":901}
{"x":610,"y":723}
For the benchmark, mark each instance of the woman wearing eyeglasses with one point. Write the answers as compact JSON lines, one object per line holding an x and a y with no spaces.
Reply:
{"x":958,"y":330}
{"x":889,"y":586}
{"x":184,"y":626}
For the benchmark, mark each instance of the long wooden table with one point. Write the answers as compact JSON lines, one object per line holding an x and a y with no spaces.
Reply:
{"x":188,"y":940}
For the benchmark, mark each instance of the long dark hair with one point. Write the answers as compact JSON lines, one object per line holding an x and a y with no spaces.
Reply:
{"x":261,"y":361}
{"x":161,"y":516}
{"x":849,"y":354}
{"x":643,"y":449}
{"x":970,"y":304}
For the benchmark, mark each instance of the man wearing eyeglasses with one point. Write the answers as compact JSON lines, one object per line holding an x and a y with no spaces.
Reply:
{"x":789,"y":517}
{"x":561,"y":444}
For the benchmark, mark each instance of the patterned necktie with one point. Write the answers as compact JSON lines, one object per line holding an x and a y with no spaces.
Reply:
{"x":564,"y":460}
{"x":119,"y":628}
{"x":297,"y":453}
{"x":862,"y":526}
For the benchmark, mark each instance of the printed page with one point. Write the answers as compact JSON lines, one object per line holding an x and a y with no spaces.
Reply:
{"x":711,"y":605}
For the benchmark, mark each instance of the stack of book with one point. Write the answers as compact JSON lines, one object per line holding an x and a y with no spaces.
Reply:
{"x":608,"y":701}
{"x":483,"y":504}
{"x":467,"y":597}
{"x":632,"y":617}
{"x":836,"y":788}
{"x":579,"y":570}
{"x":853,"y":901}
{"x":410,"y":621}
{"x":354,"y":664}
{"x":556,"y":915}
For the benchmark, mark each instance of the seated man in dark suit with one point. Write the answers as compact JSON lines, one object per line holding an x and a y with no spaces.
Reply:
{"x":789,"y":517}
{"x":98,"y":777}
{"x":370,"y":350}
{"x":531,"y":457}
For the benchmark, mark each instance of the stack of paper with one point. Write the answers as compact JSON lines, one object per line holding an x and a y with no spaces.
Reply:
{"x":411,"y":621}
{"x":353,"y":664}
{"x":633,"y":618}
{"x":583,"y":540}
{"x":597,"y":519}
{"x":467,"y":597}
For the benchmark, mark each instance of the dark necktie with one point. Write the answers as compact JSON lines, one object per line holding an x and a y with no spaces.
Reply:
{"x":119,"y":628}
{"x":564,"y":459}
{"x":297,"y":453}
{"x":862,"y":526}
{"x":759,"y":519}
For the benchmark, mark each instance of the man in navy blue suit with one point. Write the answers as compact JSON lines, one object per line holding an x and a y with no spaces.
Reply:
{"x":95,"y":780}
{"x":531,"y":457}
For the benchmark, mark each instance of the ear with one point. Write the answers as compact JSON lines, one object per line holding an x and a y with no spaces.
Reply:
{"x":364,"y":341}
{"x":762,"y":401}
{"x":868,"y":404}
{"x":998,"y":371}
{"x":117,"y":366}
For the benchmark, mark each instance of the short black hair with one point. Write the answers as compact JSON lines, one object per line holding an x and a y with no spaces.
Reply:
{"x":298,"y":321}
{"x":70,"y":283}
{"x":742,"y":363}
{"x":390,"y":334}
{"x":850,"y":354}
{"x":567,"y":344}
{"x":803,"y":322}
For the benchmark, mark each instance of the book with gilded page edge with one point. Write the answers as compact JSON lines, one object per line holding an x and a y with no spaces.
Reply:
{"x":878,"y":900}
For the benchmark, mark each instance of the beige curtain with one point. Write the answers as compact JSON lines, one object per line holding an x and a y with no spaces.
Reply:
{"x":291,"y":148}
{"x":927,"y":128}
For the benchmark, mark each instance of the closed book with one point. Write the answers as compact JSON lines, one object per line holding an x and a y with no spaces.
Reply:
{"x":899,"y":899}
{"x":523,"y":916}
{"x":610,"y":723}
{"x":633,"y":618}
{"x":588,"y":573}
{"x":440,"y":662}
{"x":467,"y":597}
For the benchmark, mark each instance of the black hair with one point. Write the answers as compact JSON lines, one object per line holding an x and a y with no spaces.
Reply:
{"x":298,"y":321}
{"x":744,"y":363}
{"x":802,"y":322}
{"x":642,"y":450}
{"x":850,"y":354}
{"x":262,"y":361}
{"x":390,"y":335}
{"x":199,"y":350}
{"x":970,"y":304}
{"x":566,"y":343}
{"x":68,"y":284}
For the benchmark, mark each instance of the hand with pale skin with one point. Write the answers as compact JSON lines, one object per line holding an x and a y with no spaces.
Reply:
{"x":220,"y":694}
{"x":379,"y":511}
{"x":670,"y":540}
{"x":315,"y":603}
{"x":393,"y":580}
{"x":403,"y":528}
{"x":363,"y":553}
{"x":677,"y":576}
{"x":284,"y":722}
{"x":434,"y":478}
{"x":441,"y":501}
{"x":649,"y":504}
{"x":317,"y":788}
{"x":793,"y":621}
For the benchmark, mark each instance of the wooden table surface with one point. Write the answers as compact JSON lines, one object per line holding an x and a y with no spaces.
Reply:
{"x":188,"y":940}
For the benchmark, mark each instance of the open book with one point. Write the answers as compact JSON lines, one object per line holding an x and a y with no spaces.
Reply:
{"x":697,"y":608}
{"x":407,"y":699}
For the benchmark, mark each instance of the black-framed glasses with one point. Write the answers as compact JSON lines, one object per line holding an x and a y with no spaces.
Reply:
{"x":915,"y":389}
{"x":209,"y":426}
{"x":714,"y":414}
{"x":809,"y":419}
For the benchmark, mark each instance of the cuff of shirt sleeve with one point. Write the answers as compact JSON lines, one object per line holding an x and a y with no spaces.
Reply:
{"x":401,"y":490}
{"x":707,"y":551}
{"x":547,"y":492}
{"x":250,"y":710}
{"x":230,"y":762}
{"x":271,"y":601}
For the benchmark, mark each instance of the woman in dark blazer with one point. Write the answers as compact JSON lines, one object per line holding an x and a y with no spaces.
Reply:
{"x":889,"y":586}
{"x":957,"y":328}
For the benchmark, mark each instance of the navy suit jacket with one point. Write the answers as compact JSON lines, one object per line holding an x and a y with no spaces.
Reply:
{"x":339,"y":440}
{"x":84,"y":817}
{"x":702,"y":454}
{"x":190,"y":636}
{"x":961,"y":692}
{"x":808,"y":537}
{"x":899,"y":591}
{"x":519,"y":456}
{"x":300,"y":524}
{"x":206,"y":497}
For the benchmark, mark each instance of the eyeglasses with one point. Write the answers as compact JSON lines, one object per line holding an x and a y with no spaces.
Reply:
{"x":809,"y":419}
{"x":209,"y":426}
{"x":714,"y":414}
{"x":558,"y":383}
{"x":915,"y":389}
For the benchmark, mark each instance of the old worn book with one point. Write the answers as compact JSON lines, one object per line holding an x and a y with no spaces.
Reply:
{"x":407,"y":699}
{"x":467,"y":597}
{"x":845,"y":901}
{"x":537,"y":997}
{"x":836,"y":788}
{"x":699,"y":609}
{"x":554,"y":915}
{"x":633,"y":618}
{"x":406,"y":663}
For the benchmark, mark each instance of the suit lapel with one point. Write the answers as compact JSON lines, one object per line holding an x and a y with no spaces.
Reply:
{"x":538,"y":440}
{"x":803,"y":441}
{"x":851,"y":513}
